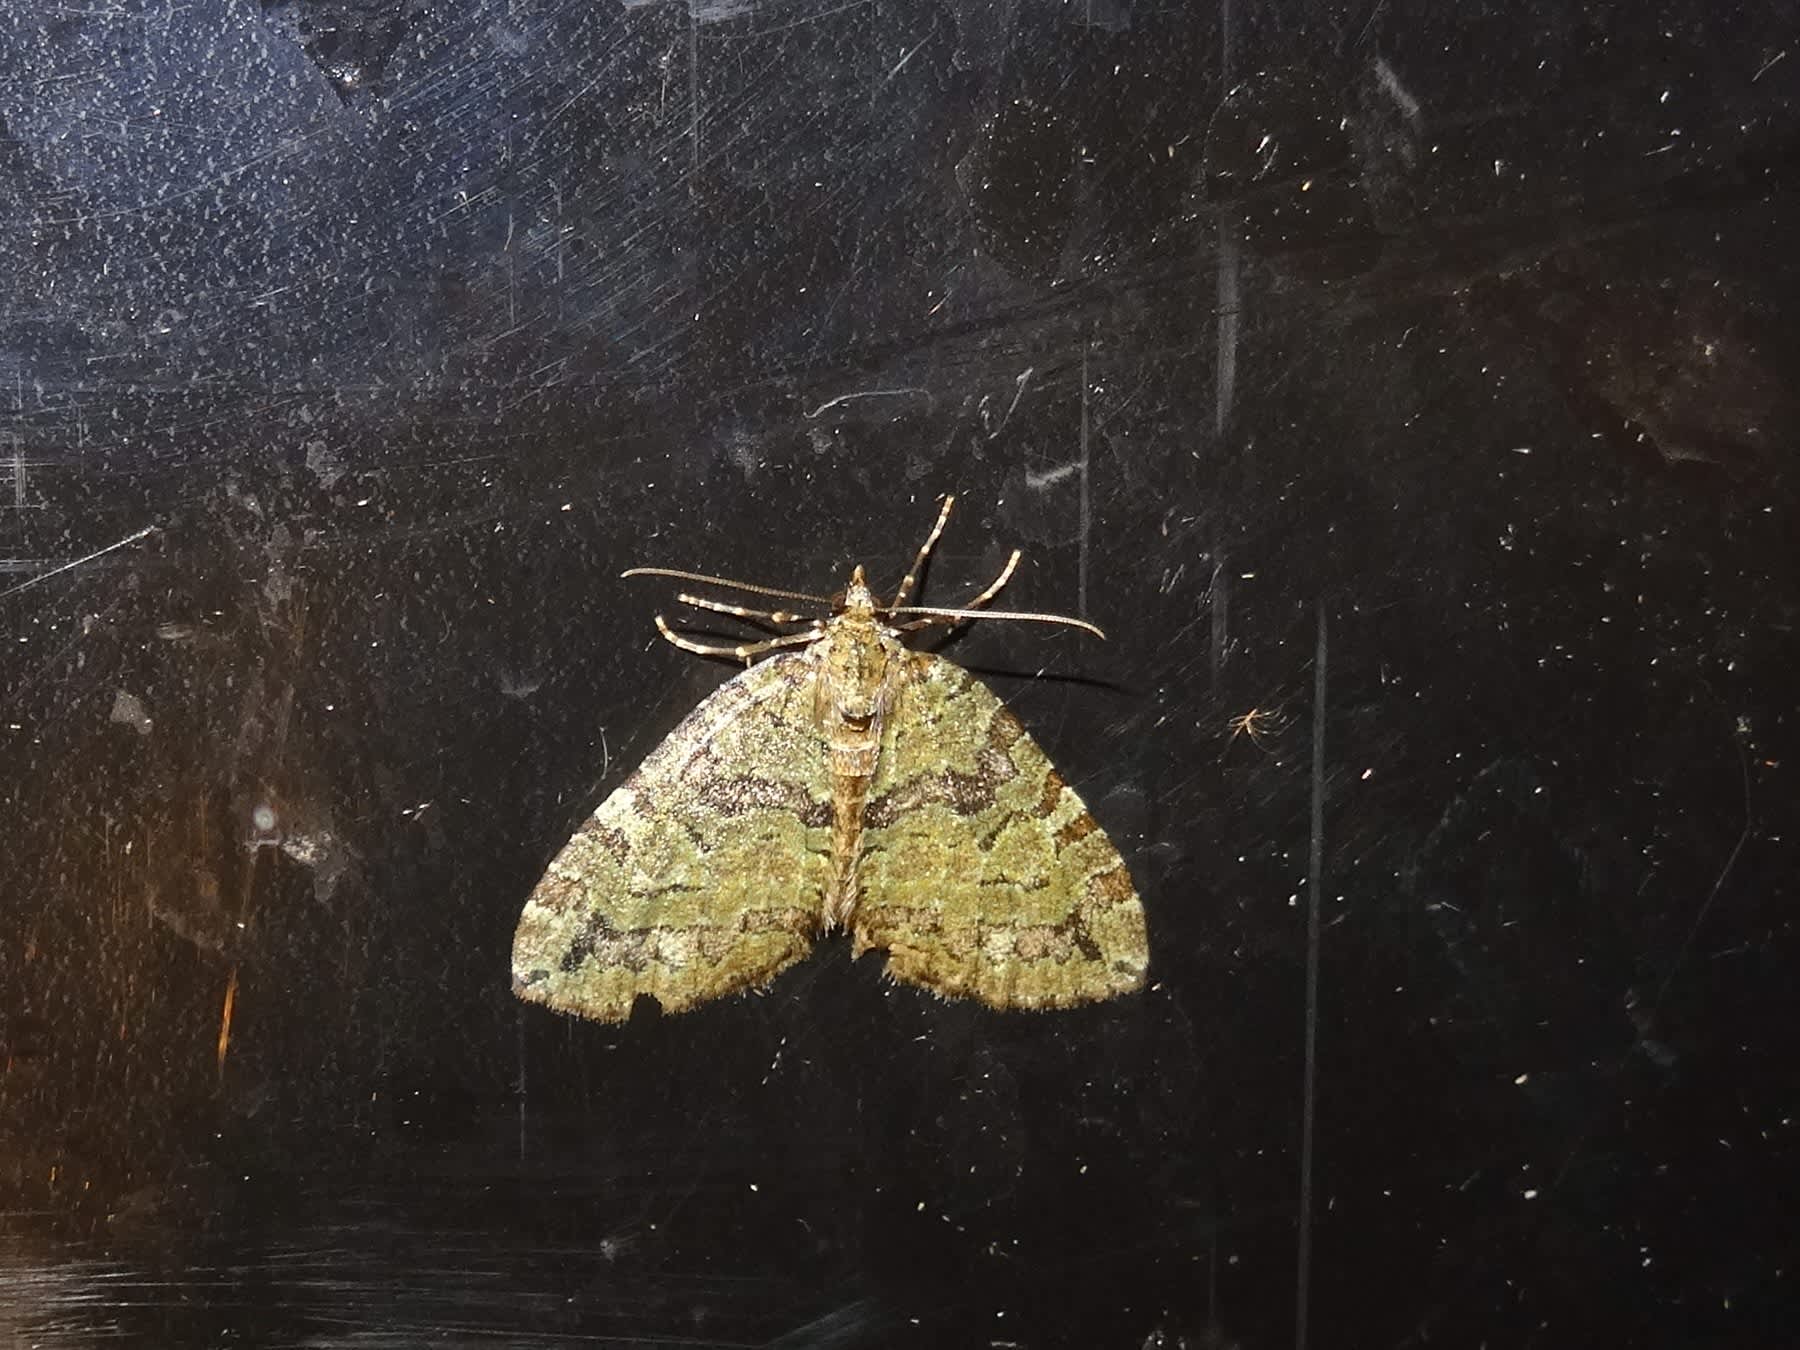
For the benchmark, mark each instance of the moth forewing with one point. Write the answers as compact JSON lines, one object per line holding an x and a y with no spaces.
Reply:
{"x":705,"y":872}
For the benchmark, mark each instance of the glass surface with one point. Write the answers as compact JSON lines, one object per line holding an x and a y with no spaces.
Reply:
{"x":1408,"y":391}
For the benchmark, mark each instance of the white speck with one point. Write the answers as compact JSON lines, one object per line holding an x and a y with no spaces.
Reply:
{"x":129,"y":710}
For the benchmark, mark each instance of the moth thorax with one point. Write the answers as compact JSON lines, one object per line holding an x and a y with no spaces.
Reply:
{"x":854,"y":686}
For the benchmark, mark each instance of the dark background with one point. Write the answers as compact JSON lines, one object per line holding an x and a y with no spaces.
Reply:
{"x":348,"y":351}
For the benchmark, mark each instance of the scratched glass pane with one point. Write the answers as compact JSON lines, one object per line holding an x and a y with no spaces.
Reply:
{"x":1406,"y":391}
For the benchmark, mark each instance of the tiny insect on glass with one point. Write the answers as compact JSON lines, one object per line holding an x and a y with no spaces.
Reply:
{"x":851,"y":783}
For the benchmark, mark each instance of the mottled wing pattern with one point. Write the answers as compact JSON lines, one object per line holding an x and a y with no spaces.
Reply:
{"x":982,"y":873}
{"x":704,"y":873}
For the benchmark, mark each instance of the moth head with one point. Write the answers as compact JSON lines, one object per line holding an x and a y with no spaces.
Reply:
{"x":858,"y":598}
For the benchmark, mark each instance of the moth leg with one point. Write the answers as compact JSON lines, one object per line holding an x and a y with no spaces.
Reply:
{"x":992,"y":590}
{"x":744,"y":652}
{"x":911,"y":579}
{"x":738,"y":611}
{"x":1012,"y":565}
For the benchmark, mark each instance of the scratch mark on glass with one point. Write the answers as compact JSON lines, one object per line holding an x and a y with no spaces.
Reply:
{"x":903,"y":60}
{"x":1309,"y":1071}
{"x":1087,"y":504}
{"x":1019,"y":382}
{"x":79,"y":562}
{"x":1043,"y":478}
{"x":905,"y":391}
{"x":693,"y":103}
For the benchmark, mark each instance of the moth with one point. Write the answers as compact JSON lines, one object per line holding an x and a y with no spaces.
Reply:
{"x":851,"y":783}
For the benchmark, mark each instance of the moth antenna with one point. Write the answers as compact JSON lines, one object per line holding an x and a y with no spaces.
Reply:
{"x":939,"y":615}
{"x":911,"y":579}
{"x":722,"y":581}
